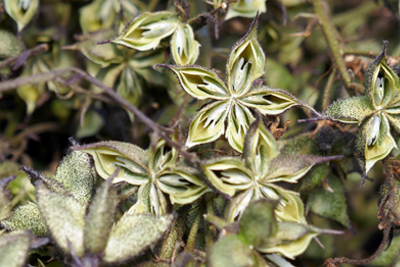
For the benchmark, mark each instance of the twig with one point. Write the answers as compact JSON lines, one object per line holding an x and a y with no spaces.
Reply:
{"x":335,"y":262}
{"x":51,"y":75}
{"x":24,"y":56}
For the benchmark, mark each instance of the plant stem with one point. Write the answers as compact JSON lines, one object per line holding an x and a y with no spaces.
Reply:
{"x":329,"y":31}
{"x":339,"y":261}
{"x":210,"y":229}
{"x":193,"y":233}
{"x":326,"y":98}
{"x":24,"y":56}
{"x":51,"y":75}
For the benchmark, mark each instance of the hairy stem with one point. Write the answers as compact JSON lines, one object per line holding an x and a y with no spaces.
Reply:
{"x":329,"y":31}
{"x":326,"y":98}
{"x":339,"y":261}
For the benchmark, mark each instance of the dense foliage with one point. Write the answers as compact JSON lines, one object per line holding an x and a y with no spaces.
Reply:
{"x":199,"y":133}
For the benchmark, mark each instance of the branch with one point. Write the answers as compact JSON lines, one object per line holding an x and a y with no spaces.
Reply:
{"x":21,"y":58}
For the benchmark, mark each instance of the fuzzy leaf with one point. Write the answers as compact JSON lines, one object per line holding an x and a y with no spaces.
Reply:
{"x":231,"y":251}
{"x":5,"y":197}
{"x":350,"y":110}
{"x":314,"y":178}
{"x":150,"y":200}
{"x":182,"y":186}
{"x":246,"y":8}
{"x":103,"y":54}
{"x":184,"y":48}
{"x":270,"y":101}
{"x":161,"y":159}
{"x":246,"y":62}
{"x":201,"y":83}
{"x":290,"y":168}
{"x":291,"y":239}
{"x":14,"y":248}
{"x":100,"y":218}
{"x":394,"y":121}
{"x":76,"y":174}
{"x":208,"y":125}
{"x":240,"y":203}
{"x":9,"y":45}
{"x":330,"y":205}
{"x":383,"y":83}
{"x":227,"y":174}
{"x":21,"y":11}
{"x":26,"y":217}
{"x":110,"y":155}
{"x":239,"y":120}
{"x":135,"y":233}
{"x":147,"y":30}
{"x":258,"y":222}
{"x":260,"y":148}
{"x":64,"y":218}
{"x":374,"y":140}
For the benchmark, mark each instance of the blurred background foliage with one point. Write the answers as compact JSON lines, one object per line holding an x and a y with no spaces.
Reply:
{"x":36,"y":120}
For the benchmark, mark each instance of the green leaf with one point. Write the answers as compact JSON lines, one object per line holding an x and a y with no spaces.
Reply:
{"x":160,"y":158}
{"x":147,"y":30}
{"x":330,"y":205}
{"x":76,"y":174}
{"x":314,"y":178}
{"x":382,"y":83}
{"x":110,"y":155}
{"x":185,"y":49}
{"x":290,"y":207}
{"x":102,"y":14}
{"x":100,"y":218}
{"x":200,"y":82}
{"x":260,"y":148}
{"x":26,"y":217}
{"x":291,"y":239}
{"x":245,"y":8}
{"x":14,"y":248}
{"x":231,"y":251}
{"x":246,"y":62}
{"x":270,"y":101}
{"x":239,"y":120}
{"x":299,"y":145}
{"x":227,"y":174}
{"x":394,"y":120}
{"x":103,"y":54}
{"x":239,"y":204}
{"x":92,"y":123}
{"x":182,"y":186}
{"x":21,"y":11}
{"x":350,"y":110}
{"x":258,"y":222}
{"x":135,"y":233}
{"x":5,"y":197}
{"x":209,"y":124}
{"x":290,"y":168}
{"x":9,"y":45}
{"x":150,"y":200}
{"x":375,"y":141}
{"x":64,"y":218}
